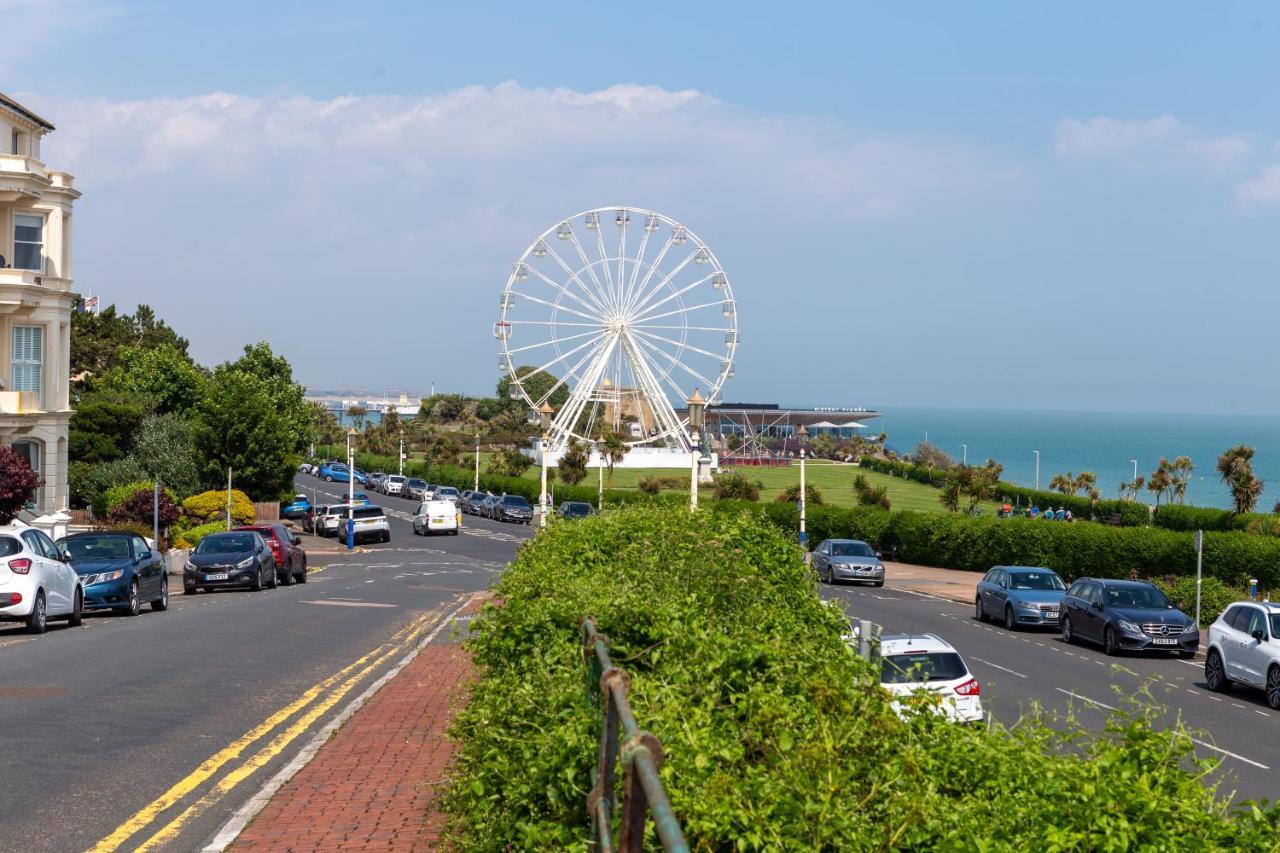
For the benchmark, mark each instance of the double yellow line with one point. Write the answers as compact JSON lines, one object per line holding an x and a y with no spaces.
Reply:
{"x":332,"y":689}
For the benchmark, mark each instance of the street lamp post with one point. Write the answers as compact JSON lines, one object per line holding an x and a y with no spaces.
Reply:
{"x":599,"y":475}
{"x":476,"y":485}
{"x":697,"y":408}
{"x":802,"y":435}
{"x":351,"y":491}
{"x":1135,"y":471}
{"x":1037,"y":453}
{"x":402,"y":453}
{"x":544,"y":416}
{"x":964,"y":459}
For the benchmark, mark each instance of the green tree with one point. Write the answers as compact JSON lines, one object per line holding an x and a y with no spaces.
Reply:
{"x":931,"y":456}
{"x":735,"y":486}
{"x":290,"y":397}
{"x":791,"y":494}
{"x":1161,"y":481}
{"x":1236,"y":468}
{"x":357,"y":415}
{"x":508,"y":462}
{"x":869,"y":495}
{"x":1063,"y":483}
{"x":613,"y":447}
{"x":163,"y":375}
{"x":822,"y":446}
{"x":103,"y":425}
{"x":97,"y":340}
{"x":325,"y":428}
{"x":573,"y":462}
{"x":238,"y":425}
{"x":163,"y":447}
{"x":537,"y":383}
{"x":1180,"y":472}
{"x":1129,"y":488}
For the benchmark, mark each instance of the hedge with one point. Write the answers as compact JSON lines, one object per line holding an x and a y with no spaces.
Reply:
{"x":776,"y":735}
{"x":191,"y":538}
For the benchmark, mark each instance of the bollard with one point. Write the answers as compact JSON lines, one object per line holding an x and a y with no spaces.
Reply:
{"x":864,"y":639}
{"x":1253,"y":588}
{"x":351,"y":534}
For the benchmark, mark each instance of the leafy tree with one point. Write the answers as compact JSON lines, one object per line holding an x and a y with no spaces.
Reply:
{"x":239,"y":425}
{"x":164,"y":448}
{"x":791,"y":494}
{"x":443,"y":448}
{"x":90,"y":483}
{"x":140,"y":507}
{"x":735,"y":486}
{"x":1180,"y":473}
{"x":324,"y":424}
{"x":97,"y":340}
{"x":1086,"y":482}
{"x":822,"y":446}
{"x":573,"y":462}
{"x":971,"y":484}
{"x":17,"y":484}
{"x":508,"y":462}
{"x":103,"y":426}
{"x":1129,"y":488}
{"x":1160,"y":481}
{"x":931,"y":456}
{"x":1236,"y":468}
{"x":613,"y":447}
{"x":1063,"y":483}
{"x":164,"y":376}
{"x":290,"y":397}
{"x":869,"y":495}
{"x":537,"y":383}
{"x":733,"y":442}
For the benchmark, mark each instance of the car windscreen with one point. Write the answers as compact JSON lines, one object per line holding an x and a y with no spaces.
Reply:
{"x":368,"y":512}
{"x":97,"y":547}
{"x":1035,"y":580}
{"x":9,"y":545}
{"x":1147,"y":597}
{"x":226,"y":543}
{"x":577,"y":509}
{"x":395,"y":478}
{"x":851,"y":549}
{"x":417,"y":484}
{"x":921,"y":666}
{"x":516,"y":501}
{"x":447,"y":491}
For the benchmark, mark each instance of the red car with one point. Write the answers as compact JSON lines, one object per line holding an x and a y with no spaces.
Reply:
{"x":291,"y":558}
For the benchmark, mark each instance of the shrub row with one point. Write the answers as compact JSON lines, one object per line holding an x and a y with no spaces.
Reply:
{"x":906,"y":470}
{"x":776,"y":735}
{"x":1072,"y":550}
{"x":1179,"y":517}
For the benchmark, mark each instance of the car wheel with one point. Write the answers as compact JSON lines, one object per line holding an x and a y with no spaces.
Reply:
{"x":1109,"y":641}
{"x":76,"y":619}
{"x":38,"y":619}
{"x":286,"y":579}
{"x":302,"y":578}
{"x":977,"y":610}
{"x":1010,"y":623}
{"x":162,"y":603}
{"x":1067,"y":636}
{"x":455,"y":531}
{"x":134,"y":607}
{"x":328,"y":479}
{"x":1215,"y":674}
{"x":386,"y":537}
{"x":878,"y":584}
{"x":1273,"y":687}
{"x":257,"y":585}
{"x":273,"y":579}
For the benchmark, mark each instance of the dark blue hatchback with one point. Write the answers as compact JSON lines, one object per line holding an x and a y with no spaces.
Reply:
{"x":119,"y":571}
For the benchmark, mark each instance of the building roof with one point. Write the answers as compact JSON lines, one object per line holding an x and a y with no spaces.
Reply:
{"x":18,"y":108}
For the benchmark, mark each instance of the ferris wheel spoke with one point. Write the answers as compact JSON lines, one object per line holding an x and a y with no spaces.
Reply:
{"x":658,"y":402}
{"x":635,"y":267}
{"x":555,"y":284}
{"x":553,"y":323}
{"x":577,"y":349}
{"x":654,"y":291}
{"x":554,"y":306}
{"x":675,"y":362}
{"x":573,"y":276}
{"x":552,"y":342}
{"x":673,"y":295}
{"x":685,"y":310}
{"x":685,"y":328}
{"x":620,"y":286}
{"x":591,"y":270}
{"x":571,"y":372}
{"x":683,"y":346}
{"x":569,"y":413}
{"x":649,"y":273}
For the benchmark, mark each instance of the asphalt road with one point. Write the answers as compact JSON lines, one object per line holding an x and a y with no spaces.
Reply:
{"x":148,"y":733}
{"x":1020,"y":669}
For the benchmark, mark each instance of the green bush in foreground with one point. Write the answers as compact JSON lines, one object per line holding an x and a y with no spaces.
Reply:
{"x":776,"y":735}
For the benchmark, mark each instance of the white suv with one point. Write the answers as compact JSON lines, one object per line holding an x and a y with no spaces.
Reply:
{"x":1244,"y":648}
{"x":36,"y":583}
{"x":392,"y":484}
{"x":926,"y":663}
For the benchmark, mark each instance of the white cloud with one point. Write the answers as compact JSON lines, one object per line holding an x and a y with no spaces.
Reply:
{"x":1162,"y":142}
{"x":1261,"y":190}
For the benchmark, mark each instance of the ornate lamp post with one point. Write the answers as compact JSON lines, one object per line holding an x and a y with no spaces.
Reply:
{"x":544,"y":417}
{"x":401,"y":453}
{"x":697,"y":409}
{"x":802,"y":435}
{"x":476,"y":486}
{"x":351,"y":490}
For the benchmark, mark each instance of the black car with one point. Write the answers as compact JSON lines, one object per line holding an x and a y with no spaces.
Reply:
{"x":413,"y":488}
{"x":484,"y":505}
{"x":575,"y":509}
{"x":1126,"y":615}
{"x":237,"y":558}
{"x":473,"y":502}
{"x":513,"y":508}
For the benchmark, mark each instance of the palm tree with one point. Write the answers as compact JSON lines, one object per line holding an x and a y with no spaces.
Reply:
{"x":1180,"y":472}
{"x":1160,"y":481}
{"x":1064,"y":483}
{"x":1129,"y":488}
{"x":1236,"y":468}
{"x":357,"y":414}
{"x":614,"y":448}
{"x":1085,"y":482}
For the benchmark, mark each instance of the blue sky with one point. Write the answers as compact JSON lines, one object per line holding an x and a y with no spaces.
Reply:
{"x":939,"y":206}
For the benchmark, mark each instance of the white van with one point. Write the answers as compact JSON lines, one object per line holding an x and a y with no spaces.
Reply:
{"x":437,"y":516}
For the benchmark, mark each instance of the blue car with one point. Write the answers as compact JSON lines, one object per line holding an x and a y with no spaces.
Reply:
{"x":1020,"y":595}
{"x":337,"y":472}
{"x":299,"y":507}
{"x":119,"y":571}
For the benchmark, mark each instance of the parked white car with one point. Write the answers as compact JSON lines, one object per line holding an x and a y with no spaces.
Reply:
{"x":914,"y":663}
{"x":392,"y":484}
{"x":1244,"y":648}
{"x":437,"y":516}
{"x":36,"y":583}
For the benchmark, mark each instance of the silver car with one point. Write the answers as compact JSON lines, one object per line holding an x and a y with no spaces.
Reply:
{"x":847,"y":559}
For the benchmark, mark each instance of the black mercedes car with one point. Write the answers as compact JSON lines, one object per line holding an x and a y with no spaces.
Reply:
{"x":1126,"y":615}
{"x":236,"y":558}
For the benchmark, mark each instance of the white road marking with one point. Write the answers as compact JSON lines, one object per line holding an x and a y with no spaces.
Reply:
{"x":349,"y":603}
{"x":1263,"y":713}
{"x":1230,"y":754}
{"x":997,"y":666}
{"x":1083,"y":698}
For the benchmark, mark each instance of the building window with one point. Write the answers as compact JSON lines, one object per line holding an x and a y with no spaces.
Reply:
{"x":13,"y":142}
{"x":28,"y":360}
{"x":30,"y":451}
{"x":28,"y":242}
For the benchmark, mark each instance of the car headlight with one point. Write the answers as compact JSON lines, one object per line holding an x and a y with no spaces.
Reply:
{"x":1191,"y":629}
{"x":245,"y":563}
{"x":1030,"y":605}
{"x":1128,"y":626}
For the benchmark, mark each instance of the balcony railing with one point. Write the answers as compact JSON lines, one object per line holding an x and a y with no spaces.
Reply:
{"x":20,"y":402}
{"x":12,"y":164}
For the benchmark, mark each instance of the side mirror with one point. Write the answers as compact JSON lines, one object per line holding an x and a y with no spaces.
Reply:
{"x":879,"y":556}
{"x":145,"y":555}
{"x":297,"y":540}
{"x":1097,"y":605}
{"x":1259,"y":635}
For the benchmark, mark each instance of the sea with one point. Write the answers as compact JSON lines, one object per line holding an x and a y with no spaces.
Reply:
{"x":1104,"y":443}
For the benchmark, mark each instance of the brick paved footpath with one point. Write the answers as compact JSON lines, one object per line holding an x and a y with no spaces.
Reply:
{"x":374,"y":785}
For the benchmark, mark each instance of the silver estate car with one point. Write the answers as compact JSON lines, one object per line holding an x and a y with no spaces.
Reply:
{"x":847,"y":559}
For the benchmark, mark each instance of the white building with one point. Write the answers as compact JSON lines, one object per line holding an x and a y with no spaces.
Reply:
{"x":35,"y":302}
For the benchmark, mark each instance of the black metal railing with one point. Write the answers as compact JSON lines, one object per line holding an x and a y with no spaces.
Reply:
{"x":641,"y":755}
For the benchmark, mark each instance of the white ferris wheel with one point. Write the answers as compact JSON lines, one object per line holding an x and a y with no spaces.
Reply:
{"x":630,"y":312}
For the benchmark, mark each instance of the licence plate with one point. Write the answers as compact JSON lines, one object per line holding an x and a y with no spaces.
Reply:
{"x":1164,"y":641}
{"x":220,"y":576}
